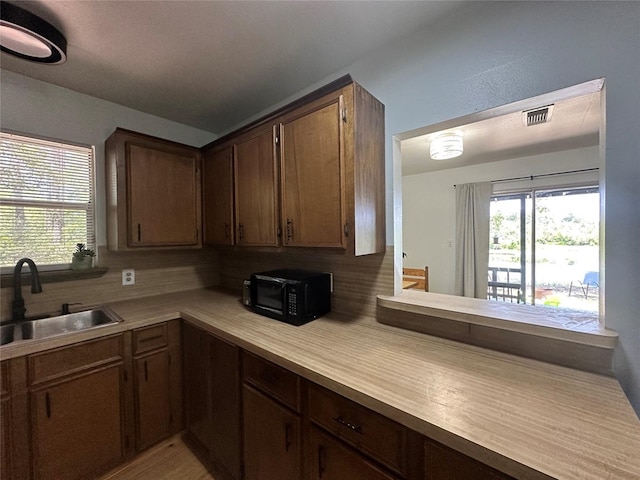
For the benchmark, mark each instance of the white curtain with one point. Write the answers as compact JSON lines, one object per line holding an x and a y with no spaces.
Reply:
{"x":472,"y":239}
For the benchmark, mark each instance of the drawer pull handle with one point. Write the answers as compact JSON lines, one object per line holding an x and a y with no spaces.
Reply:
{"x":352,"y":426}
{"x":321,"y":461}
{"x":287,"y":436}
{"x":47,"y":401}
{"x":150,"y":339}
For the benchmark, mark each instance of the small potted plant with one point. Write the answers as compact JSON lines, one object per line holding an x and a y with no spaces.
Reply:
{"x":82,"y":258}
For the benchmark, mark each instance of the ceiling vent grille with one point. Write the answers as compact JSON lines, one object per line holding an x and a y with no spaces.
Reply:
{"x":537,"y":116}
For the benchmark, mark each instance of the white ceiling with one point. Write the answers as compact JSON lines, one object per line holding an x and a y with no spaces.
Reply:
{"x":574,"y":123}
{"x":214,"y":64}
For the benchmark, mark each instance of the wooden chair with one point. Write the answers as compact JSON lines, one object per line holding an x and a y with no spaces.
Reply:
{"x":415,"y":278}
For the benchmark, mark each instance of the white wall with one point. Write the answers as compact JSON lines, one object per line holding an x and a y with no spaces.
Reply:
{"x":494,"y":53}
{"x":429,"y":225}
{"x":43,"y":109}
{"x":489,"y":54}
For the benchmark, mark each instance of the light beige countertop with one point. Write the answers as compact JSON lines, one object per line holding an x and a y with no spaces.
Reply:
{"x":527,"y":418}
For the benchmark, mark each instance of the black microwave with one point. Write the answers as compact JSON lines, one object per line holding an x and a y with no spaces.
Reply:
{"x":290,"y":295}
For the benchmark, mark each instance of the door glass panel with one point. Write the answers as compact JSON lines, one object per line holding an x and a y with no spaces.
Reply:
{"x":546,"y":252}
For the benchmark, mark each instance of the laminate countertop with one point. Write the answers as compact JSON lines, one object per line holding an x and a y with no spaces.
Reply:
{"x":527,"y":418}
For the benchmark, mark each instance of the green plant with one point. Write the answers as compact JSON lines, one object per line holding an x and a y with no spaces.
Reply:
{"x":81,"y":252}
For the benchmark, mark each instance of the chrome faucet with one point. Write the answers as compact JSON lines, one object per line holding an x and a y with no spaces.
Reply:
{"x":18,"y":302}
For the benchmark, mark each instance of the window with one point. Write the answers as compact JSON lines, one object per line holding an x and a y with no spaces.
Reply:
{"x":46,"y":200}
{"x":543,"y":247}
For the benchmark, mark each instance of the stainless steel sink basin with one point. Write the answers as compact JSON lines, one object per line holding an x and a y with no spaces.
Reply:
{"x":71,"y":322}
{"x":6,"y":333}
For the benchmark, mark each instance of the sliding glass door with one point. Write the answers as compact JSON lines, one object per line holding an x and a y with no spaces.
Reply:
{"x":544,"y":247}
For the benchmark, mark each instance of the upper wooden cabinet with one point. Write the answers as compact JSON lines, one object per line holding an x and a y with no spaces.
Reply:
{"x":313,"y":175}
{"x":153,"y":192}
{"x":217,"y":194}
{"x":256,"y":188}
{"x":309,"y":175}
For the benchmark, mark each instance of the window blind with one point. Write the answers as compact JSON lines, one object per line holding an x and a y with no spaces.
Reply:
{"x":46,"y":199}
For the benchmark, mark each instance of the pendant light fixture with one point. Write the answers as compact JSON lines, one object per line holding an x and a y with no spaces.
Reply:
{"x":446,"y":146}
{"x":29,"y":37}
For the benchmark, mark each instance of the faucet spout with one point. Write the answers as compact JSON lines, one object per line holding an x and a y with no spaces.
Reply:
{"x":18,"y":307}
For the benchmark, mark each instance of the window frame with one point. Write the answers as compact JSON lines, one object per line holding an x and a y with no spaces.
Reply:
{"x":90,"y":206}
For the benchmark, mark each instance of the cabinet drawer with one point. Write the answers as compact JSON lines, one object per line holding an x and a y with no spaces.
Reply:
{"x":332,"y":460}
{"x":149,"y":338}
{"x":370,"y":432}
{"x":278,"y":382}
{"x":66,"y":360}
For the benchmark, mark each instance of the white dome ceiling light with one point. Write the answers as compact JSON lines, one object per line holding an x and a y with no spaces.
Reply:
{"x":29,"y":37}
{"x":446,"y":146}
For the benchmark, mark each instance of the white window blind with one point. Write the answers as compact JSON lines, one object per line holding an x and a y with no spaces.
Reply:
{"x":46,"y":200}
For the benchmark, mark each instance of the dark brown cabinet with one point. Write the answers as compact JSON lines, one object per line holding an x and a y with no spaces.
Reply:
{"x":217,"y":194}
{"x":153,"y":192}
{"x":197,"y":396}
{"x":310,"y":174}
{"x":212,"y":400}
{"x":383,"y":441}
{"x":272,"y":421}
{"x":272,"y":448}
{"x":76,"y":400}
{"x":256,"y":186}
{"x":5,"y":422}
{"x":158,"y":403}
{"x":443,"y":463}
{"x":332,"y":460}
{"x":312,"y":157}
{"x":152,"y":399}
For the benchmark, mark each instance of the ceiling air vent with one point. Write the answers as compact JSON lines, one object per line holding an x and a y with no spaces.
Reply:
{"x":537,"y":116}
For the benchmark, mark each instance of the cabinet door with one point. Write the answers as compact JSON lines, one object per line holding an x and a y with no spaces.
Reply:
{"x":5,"y":439}
{"x":271,"y":439}
{"x":162,"y":190}
{"x":332,"y":460}
{"x":313,"y":177}
{"x":197,"y":399}
{"x":442,"y":463}
{"x":226,"y":444}
{"x":218,"y":196}
{"x":77,"y":426}
{"x":255,"y":189}
{"x":152,"y":399}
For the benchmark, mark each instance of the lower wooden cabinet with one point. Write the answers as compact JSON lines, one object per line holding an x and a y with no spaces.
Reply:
{"x":77,"y":425}
{"x":152,"y":399}
{"x":5,"y":422}
{"x":157,"y":383}
{"x":443,"y":463}
{"x":333,"y":460}
{"x":212,"y":400}
{"x":77,"y":409}
{"x":272,"y":446}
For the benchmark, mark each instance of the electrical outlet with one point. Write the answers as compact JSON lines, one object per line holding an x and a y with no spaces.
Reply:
{"x":450,"y":243}
{"x":129,"y":277}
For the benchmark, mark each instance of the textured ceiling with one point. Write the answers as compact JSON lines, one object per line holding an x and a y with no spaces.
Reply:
{"x":214,"y":64}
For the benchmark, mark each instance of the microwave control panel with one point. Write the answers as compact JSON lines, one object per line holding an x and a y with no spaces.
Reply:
{"x":292,"y":303}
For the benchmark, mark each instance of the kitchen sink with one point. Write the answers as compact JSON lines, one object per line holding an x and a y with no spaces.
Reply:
{"x":69,"y":323}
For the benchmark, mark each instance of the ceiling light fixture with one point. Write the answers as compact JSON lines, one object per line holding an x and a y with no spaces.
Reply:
{"x":446,"y":146}
{"x":29,"y":37}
